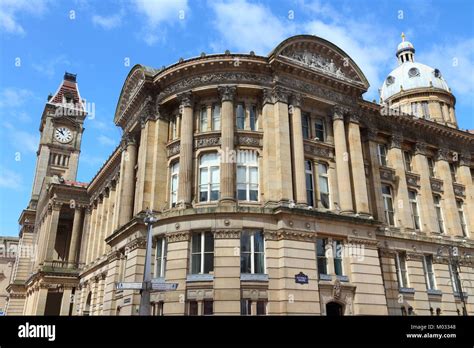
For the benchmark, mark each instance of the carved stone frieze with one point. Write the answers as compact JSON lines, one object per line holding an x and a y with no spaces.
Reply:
{"x":207,"y":141}
{"x":318,"y":150}
{"x":177,"y":237}
{"x":173,"y":149}
{"x":227,"y":234}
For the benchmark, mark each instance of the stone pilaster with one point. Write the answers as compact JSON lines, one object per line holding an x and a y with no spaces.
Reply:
{"x":376,"y":187}
{"x":464,"y":177}
{"x":66,"y":301}
{"x":76,"y":226}
{"x":186,"y":150}
{"x":129,"y":159}
{"x":357,"y":163}
{"x":52,"y":231}
{"x":426,"y":204}
{"x":298,"y":150}
{"x":85,"y":235}
{"x":450,"y":211}
{"x":342,"y":162}
{"x":269,"y":155}
{"x":159,"y":194}
{"x":227,"y":174}
{"x":401,"y":203}
{"x":91,"y":233}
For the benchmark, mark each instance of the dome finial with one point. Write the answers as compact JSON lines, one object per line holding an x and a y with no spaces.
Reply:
{"x":403,"y":37}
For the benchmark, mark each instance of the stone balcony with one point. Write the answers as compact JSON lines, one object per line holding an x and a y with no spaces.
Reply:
{"x":413,"y":179}
{"x":436,"y":185}
{"x":459,"y":190}
{"x":62,"y":267}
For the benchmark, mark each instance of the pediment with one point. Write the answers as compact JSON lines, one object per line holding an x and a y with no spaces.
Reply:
{"x":134,"y":81}
{"x":322,"y":57}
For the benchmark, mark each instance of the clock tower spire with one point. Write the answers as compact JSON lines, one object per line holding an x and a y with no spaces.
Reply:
{"x":61,"y":130}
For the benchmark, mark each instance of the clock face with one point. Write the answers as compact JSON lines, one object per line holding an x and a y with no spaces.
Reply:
{"x":63,"y":134}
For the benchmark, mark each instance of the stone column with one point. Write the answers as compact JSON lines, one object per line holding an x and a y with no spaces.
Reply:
{"x":269,"y":156}
{"x":298,"y":150}
{"x":113,"y":274}
{"x":66,"y":301}
{"x":227,"y":175}
{"x":92,"y":235}
{"x":85,"y":235}
{"x":186,"y":150}
{"x":52,"y":231}
{"x":129,"y":157}
{"x":376,"y":187}
{"x":42,"y":295}
{"x":426,"y":204}
{"x":76,"y":226}
{"x":342,"y":162}
{"x":450,"y":210}
{"x":98,"y":228}
{"x":227,"y":272}
{"x":464,"y":177}
{"x":401,"y":203}
{"x":357,"y":163}
{"x":104,"y":222}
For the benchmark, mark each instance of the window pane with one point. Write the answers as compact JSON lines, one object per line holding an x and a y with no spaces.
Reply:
{"x":338,"y":266}
{"x":323,"y":184}
{"x":253,"y":194}
{"x":203,"y":195}
{"x":196,"y":243}
{"x":245,"y":266}
{"x":245,"y":241}
{"x":216,"y":117}
{"x":325,"y":200}
{"x":208,"y":307}
{"x":241,"y":192}
{"x":245,"y":307}
{"x":319,"y":127}
{"x":261,"y":308}
{"x":215,"y":175}
{"x":322,"y":269}
{"x":322,"y":168}
{"x":204,"y":177}
{"x":203,"y":119}
{"x":208,"y":262}
{"x":196,"y":263}
{"x":240,"y":113}
{"x":214,"y":195}
{"x":208,"y":242}
{"x":241,"y":174}
{"x":321,"y":247}
{"x":193,"y":308}
{"x":252,"y":117}
{"x":253,"y":175}
{"x":259,"y":263}
{"x":258,"y":242}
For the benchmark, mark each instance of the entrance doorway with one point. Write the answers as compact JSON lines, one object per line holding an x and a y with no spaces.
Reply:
{"x":334,"y":309}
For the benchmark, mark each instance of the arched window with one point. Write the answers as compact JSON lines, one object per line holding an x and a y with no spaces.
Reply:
{"x":209,"y":177}
{"x":174,"y":178}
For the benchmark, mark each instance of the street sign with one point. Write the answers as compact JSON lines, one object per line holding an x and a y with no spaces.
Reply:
{"x":301,"y":278}
{"x":128,"y":286}
{"x":164,"y":286}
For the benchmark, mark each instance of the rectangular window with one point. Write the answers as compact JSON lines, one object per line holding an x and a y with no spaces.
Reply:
{"x":323,"y":181}
{"x":414,"y":109}
{"x":252,"y":252}
{"x":453,"y":169}
{"x":453,"y":278}
{"x":253,"y":117}
{"x":209,"y":177}
{"x":388,"y":204}
{"x":203,"y":119}
{"x":192,"y":308}
{"x":208,"y":307}
{"x":429,"y":274}
{"x":401,"y":266}
{"x":412,"y":196}
{"x":426,"y":110}
{"x":462,"y":218}
{"x":160,"y":258}
{"x":216,"y":117}
{"x":157,"y":308}
{"x":321,"y":255}
{"x":247,"y":178}
{"x":246,"y":307}
{"x":439,"y":212}
{"x":174,"y":184}
{"x":305,"y":125}
{"x":407,"y":159}
{"x":431,"y":167}
{"x":337,"y":252}
{"x":202,"y":253}
{"x":320,"y":130}
{"x":240,"y":116}
{"x":309,"y":183}
{"x":382,"y":154}
{"x":174,"y":127}
{"x":261,"y":307}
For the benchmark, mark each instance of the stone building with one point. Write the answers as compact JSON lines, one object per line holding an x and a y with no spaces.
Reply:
{"x":8,"y":250}
{"x":278,"y":189}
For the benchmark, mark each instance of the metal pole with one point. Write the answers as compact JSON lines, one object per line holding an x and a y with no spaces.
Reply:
{"x":454,"y":264}
{"x":145,"y":305}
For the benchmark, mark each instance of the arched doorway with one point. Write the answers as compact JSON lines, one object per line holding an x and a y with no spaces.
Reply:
{"x":334,"y":309}
{"x":87,"y":308}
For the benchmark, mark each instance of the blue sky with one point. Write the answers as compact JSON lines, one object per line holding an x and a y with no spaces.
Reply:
{"x":40,"y":39}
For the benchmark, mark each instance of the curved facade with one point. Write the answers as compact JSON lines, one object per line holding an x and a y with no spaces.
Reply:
{"x":278,"y":190}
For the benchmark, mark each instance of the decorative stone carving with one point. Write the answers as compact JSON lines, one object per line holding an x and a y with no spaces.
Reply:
{"x":396,"y":141}
{"x":436,"y":185}
{"x":138,"y":243}
{"x":318,"y":150}
{"x":207,"y":141}
{"x":227,"y":234}
{"x":336,"y":290}
{"x":227,"y":93}
{"x":387,"y":174}
{"x":177,"y":237}
{"x":338,"y":112}
{"x":280,"y":94}
{"x":465,"y":159}
{"x":443,"y":154}
{"x":249,"y":140}
{"x":173,"y":149}
{"x":215,"y":78}
{"x":414,"y":257}
{"x":127,"y":139}
{"x":371,"y":134}
{"x":413,"y":179}
{"x":290,"y":235}
{"x":459,"y":189}
{"x":267,"y":96}
{"x":296,"y":100}
{"x":355,"y":116}
{"x":185,"y":99}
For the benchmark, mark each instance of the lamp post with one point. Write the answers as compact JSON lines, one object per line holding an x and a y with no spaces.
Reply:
{"x":454,"y":260}
{"x":145,"y":306}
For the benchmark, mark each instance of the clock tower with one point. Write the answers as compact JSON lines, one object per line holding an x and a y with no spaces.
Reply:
{"x":61,"y":127}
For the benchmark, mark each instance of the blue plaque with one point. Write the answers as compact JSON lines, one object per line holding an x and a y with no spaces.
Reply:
{"x":301,"y":278}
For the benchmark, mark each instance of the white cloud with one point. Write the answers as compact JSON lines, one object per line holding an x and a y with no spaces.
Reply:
{"x":14,"y":97}
{"x":105,"y":140}
{"x":456,"y":62}
{"x":11,"y":9}
{"x":49,"y":67}
{"x":108,"y":22}
{"x":10,"y":180}
{"x":158,"y":14}
{"x":258,"y":30}
{"x":22,"y":140}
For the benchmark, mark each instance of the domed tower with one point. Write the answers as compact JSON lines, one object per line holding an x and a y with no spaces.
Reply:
{"x":418,"y":89}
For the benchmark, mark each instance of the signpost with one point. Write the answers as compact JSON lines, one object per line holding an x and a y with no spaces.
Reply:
{"x":128,"y":286}
{"x":164,"y":286}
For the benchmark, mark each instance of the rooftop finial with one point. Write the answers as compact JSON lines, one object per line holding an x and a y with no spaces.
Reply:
{"x":403,"y":37}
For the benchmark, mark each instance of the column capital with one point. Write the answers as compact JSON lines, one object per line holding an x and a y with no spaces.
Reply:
{"x":227,"y":93}
{"x":296,"y":100}
{"x":127,"y":139}
{"x":443,"y":154}
{"x":280,"y":94}
{"x":372,"y":134}
{"x":267,"y":97}
{"x":465,"y":159}
{"x":421,"y":148}
{"x":185,"y":99}
{"x":355,"y":117}
{"x":396,"y":141}
{"x":338,"y":112}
